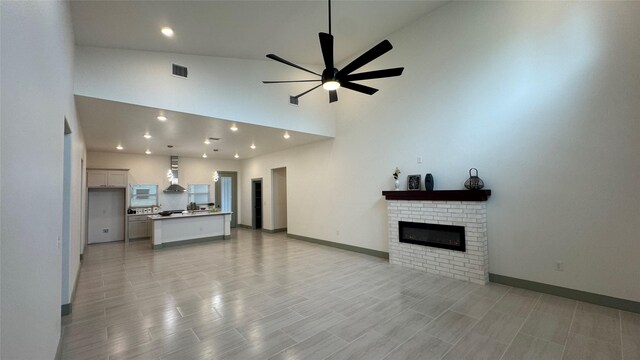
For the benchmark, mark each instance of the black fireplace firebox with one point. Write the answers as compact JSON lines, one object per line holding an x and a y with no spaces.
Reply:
{"x":441,"y":236}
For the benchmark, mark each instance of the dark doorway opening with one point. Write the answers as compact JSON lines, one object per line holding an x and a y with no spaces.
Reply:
{"x":256,"y":202}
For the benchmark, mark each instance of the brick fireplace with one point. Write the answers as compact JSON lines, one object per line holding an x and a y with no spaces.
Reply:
{"x":465,"y":208}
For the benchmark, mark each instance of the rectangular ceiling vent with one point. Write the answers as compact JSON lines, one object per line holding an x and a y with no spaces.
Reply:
{"x":180,"y":71}
{"x":293,"y":100}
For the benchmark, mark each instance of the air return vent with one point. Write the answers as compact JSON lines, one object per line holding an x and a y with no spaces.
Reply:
{"x":179,"y":70}
{"x":293,"y":100}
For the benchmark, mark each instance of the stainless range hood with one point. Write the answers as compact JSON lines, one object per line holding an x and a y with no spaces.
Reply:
{"x":174,"y":187}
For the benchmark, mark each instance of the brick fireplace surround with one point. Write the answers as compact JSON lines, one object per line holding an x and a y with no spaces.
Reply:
{"x":451,"y":207}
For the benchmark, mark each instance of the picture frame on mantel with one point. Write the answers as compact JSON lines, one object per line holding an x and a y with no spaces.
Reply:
{"x":413,"y":182}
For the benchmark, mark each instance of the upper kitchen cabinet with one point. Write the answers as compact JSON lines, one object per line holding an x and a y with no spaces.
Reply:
{"x":107,"y":178}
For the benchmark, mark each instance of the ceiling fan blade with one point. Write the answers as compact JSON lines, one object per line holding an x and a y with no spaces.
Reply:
{"x":366,"y":58}
{"x":288,"y":81}
{"x":333,"y":96}
{"x":308,"y":91}
{"x":279,"y":59}
{"x":359,"y":88}
{"x":326,"y":44}
{"x":377,"y":74}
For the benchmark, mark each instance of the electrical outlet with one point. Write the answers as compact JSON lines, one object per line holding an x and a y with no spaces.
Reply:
{"x":559,"y":265}
{"x":337,"y":232}
{"x":105,"y":231}
{"x":419,"y":159}
{"x":58,"y":242}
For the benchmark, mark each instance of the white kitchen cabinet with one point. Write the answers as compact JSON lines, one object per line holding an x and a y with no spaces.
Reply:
{"x":138,"y":226}
{"x":107,"y":178}
{"x":117,"y":178}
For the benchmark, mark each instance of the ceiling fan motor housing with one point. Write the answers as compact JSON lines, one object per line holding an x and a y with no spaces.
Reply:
{"x":329,"y":75}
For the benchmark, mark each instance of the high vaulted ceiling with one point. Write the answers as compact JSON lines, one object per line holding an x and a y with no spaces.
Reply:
{"x":242,"y":29}
{"x":230,"y":29}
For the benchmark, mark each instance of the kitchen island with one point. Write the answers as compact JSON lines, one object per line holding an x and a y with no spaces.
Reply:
{"x":178,"y":229}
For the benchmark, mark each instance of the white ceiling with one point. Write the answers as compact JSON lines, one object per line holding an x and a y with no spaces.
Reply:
{"x":232,"y":29}
{"x":243,"y":29}
{"x":107,"y":124}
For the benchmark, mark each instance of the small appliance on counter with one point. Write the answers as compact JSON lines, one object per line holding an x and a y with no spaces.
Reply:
{"x":140,"y":211}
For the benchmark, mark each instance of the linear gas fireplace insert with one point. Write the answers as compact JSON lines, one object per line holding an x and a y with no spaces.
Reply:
{"x":435,"y":235}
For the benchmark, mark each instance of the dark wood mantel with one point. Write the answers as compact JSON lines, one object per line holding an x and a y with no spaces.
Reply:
{"x":438,"y":195}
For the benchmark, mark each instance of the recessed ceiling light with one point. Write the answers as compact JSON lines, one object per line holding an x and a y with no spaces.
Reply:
{"x":148,"y":152}
{"x":236,"y":156}
{"x":207,"y":142}
{"x":286,"y":135}
{"x":234,"y":127}
{"x":119,"y":147}
{"x":147,"y":136}
{"x":167,"y":31}
{"x":204,"y":156}
{"x":162,"y":118}
{"x":253,"y":146}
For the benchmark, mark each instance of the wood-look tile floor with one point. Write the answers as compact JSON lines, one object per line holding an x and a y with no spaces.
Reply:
{"x":263,"y":296}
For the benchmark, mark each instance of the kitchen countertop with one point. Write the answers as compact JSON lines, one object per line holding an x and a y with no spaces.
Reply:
{"x":195,"y":214}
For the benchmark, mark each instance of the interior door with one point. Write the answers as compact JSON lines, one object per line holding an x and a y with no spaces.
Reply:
{"x":227,"y":194}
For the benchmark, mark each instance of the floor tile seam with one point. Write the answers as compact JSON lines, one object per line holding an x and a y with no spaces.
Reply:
{"x":453,"y":345}
{"x":550,"y":313}
{"x":412,"y":336}
{"x":395,"y":347}
{"x":621,"y":336}
{"x":539,"y":338}
{"x":573,"y":316}
{"x":601,"y":314}
{"x":521,"y":326}
{"x":596,"y":339}
{"x":347,"y":342}
{"x":478,"y":318}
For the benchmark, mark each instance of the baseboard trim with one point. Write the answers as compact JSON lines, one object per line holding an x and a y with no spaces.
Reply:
{"x":59,"y":349}
{"x":66,"y":309}
{"x":376,"y":253}
{"x":604,"y":300}
{"x":274,"y":230}
{"x":191,"y":241}
{"x":244,"y":226}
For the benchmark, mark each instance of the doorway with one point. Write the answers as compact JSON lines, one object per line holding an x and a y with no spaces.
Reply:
{"x":279,"y":199}
{"x":226,"y":189}
{"x":256,"y":203}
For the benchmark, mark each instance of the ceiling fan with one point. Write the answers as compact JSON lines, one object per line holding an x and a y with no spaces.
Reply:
{"x":331,"y":78}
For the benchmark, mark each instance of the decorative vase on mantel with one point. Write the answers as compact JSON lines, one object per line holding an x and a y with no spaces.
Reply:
{"x":396,"y":183}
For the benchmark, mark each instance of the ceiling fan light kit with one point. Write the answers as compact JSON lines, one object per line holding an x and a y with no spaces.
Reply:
{"x":331,"y":78}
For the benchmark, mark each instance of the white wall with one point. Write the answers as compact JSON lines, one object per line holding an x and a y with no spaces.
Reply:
{"x":310,"y":186}
{"x":76,"y":201}
{"x":540,"y":97}
{"x":152,"y":169}
{"x":229,"y":89}
{"x":37,"y":69}
{"x":279,"y":198}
